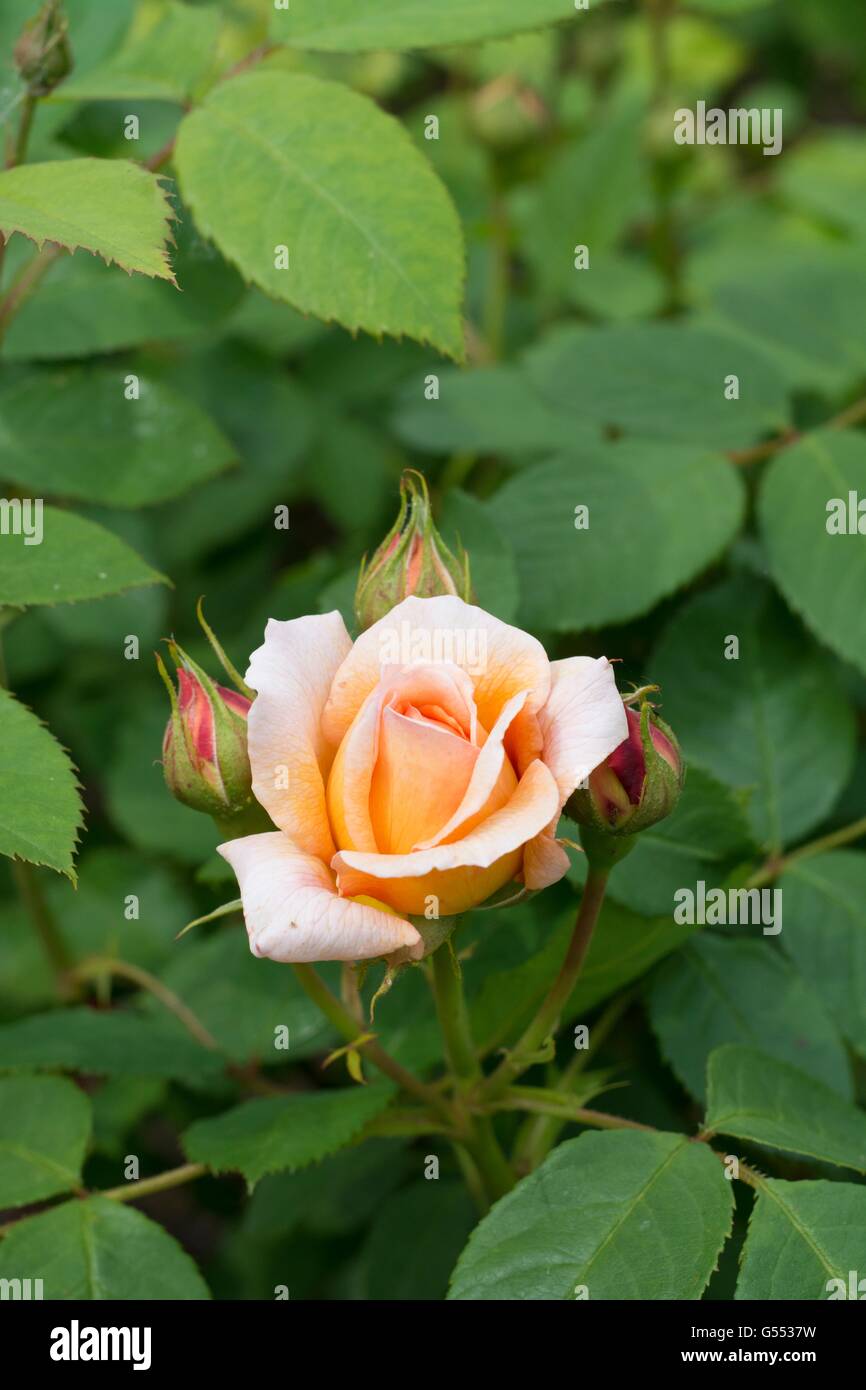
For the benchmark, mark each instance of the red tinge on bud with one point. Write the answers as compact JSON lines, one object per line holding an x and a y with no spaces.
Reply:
{"x":412,"y":559}
{"x":639,"y":783}
{"x":205,"y":744}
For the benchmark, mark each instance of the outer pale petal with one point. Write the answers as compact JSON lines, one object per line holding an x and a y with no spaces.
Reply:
{"x":293,"y":912}
{"x":292,"y":673}
{"x":500,"y":660}
{"x":544,"y":861}
{"x":583,"y":721}
{"x":534,"y":803}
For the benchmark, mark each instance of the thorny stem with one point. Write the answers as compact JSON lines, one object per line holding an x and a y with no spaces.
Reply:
{"x":18,"y":149}
{"x":94,"y":967}
{"x":98,"y":967}
{"x":775,"y":866}
{"x":25,"y":283}
{"x":498,"y":284}
{"x":526,"y":1051}
{"x":541,"y":1131}
{"x":667,"y":250}
{"x":481,"y":1144}
{"x":852,"y":415}
{"x":173,"y":1177}
{"x":314,"y":986}
{"x":30,"y":892}
{"x":528,"y":1098}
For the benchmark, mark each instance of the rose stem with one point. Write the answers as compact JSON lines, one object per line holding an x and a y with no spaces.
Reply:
{"x":314,"y":986}
{"x":482,"y":1144}
{"x":525,"y":1052}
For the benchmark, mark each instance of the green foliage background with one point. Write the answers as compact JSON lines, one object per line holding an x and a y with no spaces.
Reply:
{"x":600,"y":387}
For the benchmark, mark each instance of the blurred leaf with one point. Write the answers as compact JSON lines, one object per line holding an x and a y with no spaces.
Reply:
{"x":826,"y":176}
{"x":658,"y":515}
{"x":765,"y":720}
{"x":591,"y":190}
{"x":100,"y":128}
{"x":114,"y":208}
{"x":121,"y":452}
{"x":662,"y":381}
{"x":118,"y":1105}
{"x":339,"y":25}
{"x":818,"y":1225}
{"x":74,"y":560}
{"x":98,"y":1249}
{"x":491,"y":558}
{"x":626,"y":1215}
{"x":716,"y":991}
{"x":44,"y":1128}
{"x":106,"y":623}
{"x":40,"y":809}
{"x":415,"y":1239}
{"x":339,"y":1194}
{"x":329,"y":191}
{"x":356,"y":473}
{"x":138,"y":800}
{"x":701,"y":58}
{"x":168,"y":61}
{"x":243,"y":1000}
{"x":488,"y":410}
{"x":617,"y":286}
{"x":796,"y":491}
{"x":624,"y":946}
{"x":807,"y":310}
{"x":755,"y":1097}
{"x":269,"y":420}
{"x":104,"y":1043}
{"x":114,"y":883}
{"x":265,"y":1136}
{"x":726,"y":7}
{"x":825,"y":933}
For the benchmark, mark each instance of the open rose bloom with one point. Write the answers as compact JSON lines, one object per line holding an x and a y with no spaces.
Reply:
{"x":401,"y":787}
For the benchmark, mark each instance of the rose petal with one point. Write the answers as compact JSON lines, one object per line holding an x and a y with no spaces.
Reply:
{"x":500,"y":660}
{"x":350,"y":782}
{"x":293,"y":912}
{"x":421,"y":774}
{"x":583,"y":720}
{"x":544,"y":862}
{"x":292,"y":673}
{"x":534,"y":803}
{"x":491,"y":785}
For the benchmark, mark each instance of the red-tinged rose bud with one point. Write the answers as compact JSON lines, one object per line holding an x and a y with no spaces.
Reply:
{"x":204,"y":748}
{"x":639,"y":783}
{"x":42,"y":54}
{"x":412,"y":559}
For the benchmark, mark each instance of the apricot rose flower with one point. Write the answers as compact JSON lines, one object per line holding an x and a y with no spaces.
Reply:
{"x":415,"y":772}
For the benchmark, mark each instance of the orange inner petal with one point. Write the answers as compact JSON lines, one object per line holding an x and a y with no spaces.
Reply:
{"x":422,"y":771}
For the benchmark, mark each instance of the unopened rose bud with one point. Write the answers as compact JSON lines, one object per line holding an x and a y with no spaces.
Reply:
{"x":412,"y":559}
{"x":204,"y":749}
{"x":42,"y":54}
{"x":638,"y":784}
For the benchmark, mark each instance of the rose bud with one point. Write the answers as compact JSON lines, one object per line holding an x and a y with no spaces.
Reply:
{"x":638,"y":784}
{"x":413,"y":559}
{"x":42,"y":54}
{"x":204,"y":749}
